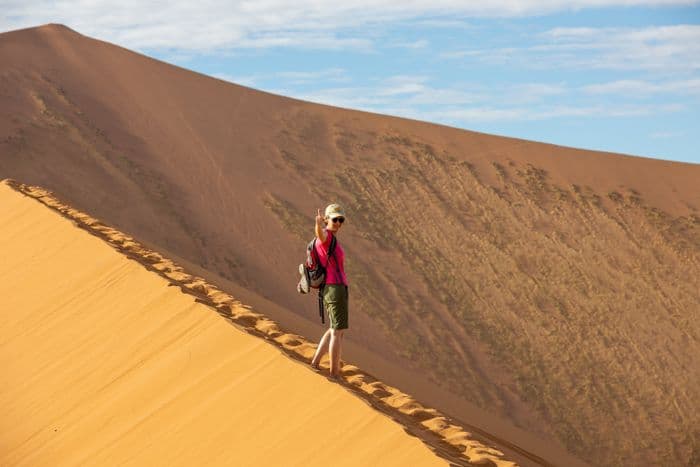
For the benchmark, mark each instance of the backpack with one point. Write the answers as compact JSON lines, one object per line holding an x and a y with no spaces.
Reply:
{"x":313,"y":273}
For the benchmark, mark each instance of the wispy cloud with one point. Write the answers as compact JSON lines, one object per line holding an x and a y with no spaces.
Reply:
{"x":416,"y":97}
{"x":399,"y":91}
{"x":419,"y":44}
{"x":650,"y":48}
{"x":442,"y":23}
{"x":547,"y":112}
{"x":303,"y":40}
{"x":305,"y":77}
{"x":666,"y":48}
{"x":214,"y":25}
{"x":289,"y":78}
{"x":638,"y":88}
{"x":403,"y":85}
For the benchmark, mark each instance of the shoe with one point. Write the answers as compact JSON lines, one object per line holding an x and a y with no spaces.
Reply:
{"x":303,"y":286}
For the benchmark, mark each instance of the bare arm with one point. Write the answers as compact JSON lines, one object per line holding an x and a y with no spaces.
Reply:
{"x":320,"y":222}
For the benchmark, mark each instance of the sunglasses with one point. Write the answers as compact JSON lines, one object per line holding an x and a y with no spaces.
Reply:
{"x":338,"y":219}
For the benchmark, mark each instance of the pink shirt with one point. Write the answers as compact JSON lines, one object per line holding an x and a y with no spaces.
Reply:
{"x":334,"y":275}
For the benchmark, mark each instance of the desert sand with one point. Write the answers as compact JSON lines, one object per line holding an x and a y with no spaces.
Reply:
{"x":539,"y":294}
{"x":105,"y":363}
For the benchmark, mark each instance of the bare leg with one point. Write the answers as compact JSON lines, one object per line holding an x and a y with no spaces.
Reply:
{"x":335,"y":348}
{"x":321,"y":349}
{"x":340,"y":352}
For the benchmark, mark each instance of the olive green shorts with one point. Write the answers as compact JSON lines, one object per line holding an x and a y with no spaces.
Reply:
{"x":335,"y":301}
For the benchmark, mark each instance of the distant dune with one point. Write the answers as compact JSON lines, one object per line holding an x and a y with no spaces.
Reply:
{"x":544,"y":295}
{"x":105,"y":364}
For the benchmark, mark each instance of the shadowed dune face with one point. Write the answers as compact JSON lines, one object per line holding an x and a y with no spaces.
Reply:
{"x":553,"y":287}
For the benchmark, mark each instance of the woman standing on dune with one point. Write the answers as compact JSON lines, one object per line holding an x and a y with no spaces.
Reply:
{"x":335,"y":292}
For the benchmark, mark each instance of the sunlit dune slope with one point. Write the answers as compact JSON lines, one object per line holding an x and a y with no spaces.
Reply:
{"x":104,"y":364}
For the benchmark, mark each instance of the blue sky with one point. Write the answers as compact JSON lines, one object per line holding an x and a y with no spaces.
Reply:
{"x":620,"y":76}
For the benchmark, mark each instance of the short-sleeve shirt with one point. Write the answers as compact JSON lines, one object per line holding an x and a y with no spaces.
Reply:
{"x":335,"y":271}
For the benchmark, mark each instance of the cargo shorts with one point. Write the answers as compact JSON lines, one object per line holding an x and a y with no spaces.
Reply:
{"x":335,"y":301}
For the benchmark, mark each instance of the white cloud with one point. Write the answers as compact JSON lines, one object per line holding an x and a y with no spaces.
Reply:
{"x":289,"y":78}
{"x":403,"y":85}
{"x":667,"y":48}
{"x":406,"y":88}
{"x":419,"y":44}
{"x":493,"y":114}
{"x":305,"y":77}
{"x":209,"y":25}
{"x":415,"y":97}
{"x":442,"y":23}
{"x":304,"y":41}
{"x":662,"y":48}
{"x":637,"y":88}
{"x":651,"y":48}
{"x":431,"y":96}
{"x":531,"y":92}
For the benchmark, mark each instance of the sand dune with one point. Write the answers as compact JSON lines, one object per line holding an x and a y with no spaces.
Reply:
{"x":105,"y":364}
{"x":540,"y":294}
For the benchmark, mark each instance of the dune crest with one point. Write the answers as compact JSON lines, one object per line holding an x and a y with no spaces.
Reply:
{"x":449,"y":440}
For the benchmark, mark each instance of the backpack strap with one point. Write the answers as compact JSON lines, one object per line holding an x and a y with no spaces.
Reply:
{"x":331,"y":250}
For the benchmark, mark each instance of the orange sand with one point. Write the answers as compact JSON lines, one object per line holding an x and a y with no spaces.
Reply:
{"x":104,"y":364}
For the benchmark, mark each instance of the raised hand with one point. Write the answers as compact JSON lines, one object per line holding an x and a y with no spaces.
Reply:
{"x":320,"y":224}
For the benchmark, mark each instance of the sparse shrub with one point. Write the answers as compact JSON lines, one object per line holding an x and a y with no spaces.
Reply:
{"x":615,"y":196}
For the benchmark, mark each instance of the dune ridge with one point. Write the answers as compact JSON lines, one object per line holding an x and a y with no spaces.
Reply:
{"x":452,"y":441}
